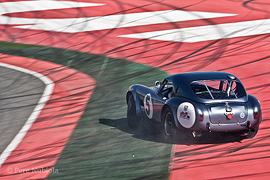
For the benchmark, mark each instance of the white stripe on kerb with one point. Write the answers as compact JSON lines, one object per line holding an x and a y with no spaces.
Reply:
{"x":26,"y":6}
{"x":23,"y":6}
{"x":73,"y":25}
{"x":49,"y":86}
{"x":206,"y":33}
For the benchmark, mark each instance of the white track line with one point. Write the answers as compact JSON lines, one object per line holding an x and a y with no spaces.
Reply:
{"x":49,"y":86}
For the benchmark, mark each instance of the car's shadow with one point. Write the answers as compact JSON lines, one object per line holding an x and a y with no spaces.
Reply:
{"x":151,"y":131}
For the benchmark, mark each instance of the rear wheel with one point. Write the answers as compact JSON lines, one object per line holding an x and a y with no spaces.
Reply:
{"x":168,"y":126}
{"x":132,"y":119}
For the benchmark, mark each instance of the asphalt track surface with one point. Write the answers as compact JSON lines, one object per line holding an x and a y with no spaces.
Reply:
{"x":241,"y":51}
{"x":20,"y":93}
{"x":32,"y":155}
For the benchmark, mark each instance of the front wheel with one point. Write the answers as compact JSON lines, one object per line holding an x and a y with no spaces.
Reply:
{"x":168,"y":125}
{"x":132,"y":119}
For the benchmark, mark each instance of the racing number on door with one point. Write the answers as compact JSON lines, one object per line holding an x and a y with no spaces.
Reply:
{"x":148,"y":105}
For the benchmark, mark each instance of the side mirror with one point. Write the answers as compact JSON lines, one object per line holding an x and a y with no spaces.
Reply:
{"x":157,"y":83}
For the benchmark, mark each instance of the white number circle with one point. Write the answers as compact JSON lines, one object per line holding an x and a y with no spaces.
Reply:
{"x":186,"y":114}
{"x":148,"y":105}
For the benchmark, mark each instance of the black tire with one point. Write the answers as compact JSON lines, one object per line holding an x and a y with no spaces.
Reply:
{"x":132,"y":119}
{"x":252,"y":134}
{"x":168,"y":126}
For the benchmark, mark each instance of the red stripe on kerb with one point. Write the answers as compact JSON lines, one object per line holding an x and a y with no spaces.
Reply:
{"x":45,"y":140}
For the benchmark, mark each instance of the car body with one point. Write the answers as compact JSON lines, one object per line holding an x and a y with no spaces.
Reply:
{"x":195,"y":101}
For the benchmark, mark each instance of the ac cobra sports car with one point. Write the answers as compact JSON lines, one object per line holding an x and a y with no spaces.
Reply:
{"x":196,"y":102}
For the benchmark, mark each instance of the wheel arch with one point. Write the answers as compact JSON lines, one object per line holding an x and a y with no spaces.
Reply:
{"x":173,"y":111}
{"x":253,"y":105}
{"x":128,"y":95}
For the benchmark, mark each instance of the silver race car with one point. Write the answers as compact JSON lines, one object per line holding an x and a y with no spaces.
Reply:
{"x":197,"y":102}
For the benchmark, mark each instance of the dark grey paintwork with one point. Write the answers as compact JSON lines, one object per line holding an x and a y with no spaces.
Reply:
{"x":213,"y":110}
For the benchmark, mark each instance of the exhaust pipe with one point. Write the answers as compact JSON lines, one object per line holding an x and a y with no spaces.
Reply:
{"x":249,"y":129}
{"x":196,"y":134}
{"x":249,"y":125}
{"x":208,"y":127}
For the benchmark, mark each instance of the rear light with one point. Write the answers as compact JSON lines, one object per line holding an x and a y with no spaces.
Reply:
{"x":201,"y":117}
{"x":256,"y":115}
{"x":229,"y":116}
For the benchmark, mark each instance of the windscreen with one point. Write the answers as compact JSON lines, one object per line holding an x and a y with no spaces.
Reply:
{"x":218,"y":89}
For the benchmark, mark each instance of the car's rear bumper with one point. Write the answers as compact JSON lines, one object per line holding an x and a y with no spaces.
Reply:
{"x":231,"y":127}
